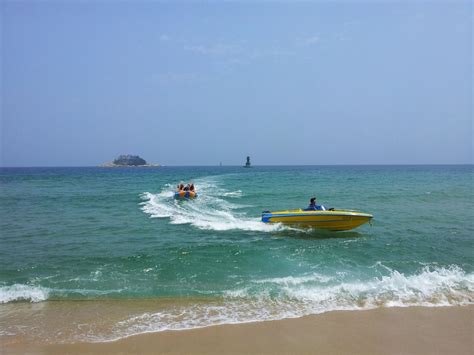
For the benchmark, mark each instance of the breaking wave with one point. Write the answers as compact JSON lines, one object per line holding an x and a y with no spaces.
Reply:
{"x":20,"y":292}
{"x":293,"y":297}
{"x":261,"y":300}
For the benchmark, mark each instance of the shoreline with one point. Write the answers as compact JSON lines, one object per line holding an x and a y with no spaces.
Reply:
{"x":414,"y":330}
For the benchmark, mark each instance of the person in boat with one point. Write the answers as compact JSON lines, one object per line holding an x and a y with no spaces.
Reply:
{"x":191,"y":187}
{"x":313,"y":206}
{"x":180,"y":187}
{"x":187,"y":187}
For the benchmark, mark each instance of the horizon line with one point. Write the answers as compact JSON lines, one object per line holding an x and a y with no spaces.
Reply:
{"x":219,"y":166}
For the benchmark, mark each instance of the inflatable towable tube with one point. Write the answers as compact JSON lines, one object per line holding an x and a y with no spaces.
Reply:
{"x":185,"y":194}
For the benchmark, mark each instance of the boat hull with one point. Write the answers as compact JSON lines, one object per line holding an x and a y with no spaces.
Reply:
{"x":337,"y":220}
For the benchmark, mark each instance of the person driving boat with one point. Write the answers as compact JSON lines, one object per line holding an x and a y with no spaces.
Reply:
{"x":313,"y":206}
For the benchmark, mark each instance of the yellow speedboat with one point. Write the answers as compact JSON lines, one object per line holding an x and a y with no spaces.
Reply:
{"x":336,"y":220}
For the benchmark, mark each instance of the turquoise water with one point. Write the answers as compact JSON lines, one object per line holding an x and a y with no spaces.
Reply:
{"x":100,"y":234}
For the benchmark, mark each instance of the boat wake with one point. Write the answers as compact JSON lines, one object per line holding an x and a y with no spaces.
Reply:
{"x":212,"y":210}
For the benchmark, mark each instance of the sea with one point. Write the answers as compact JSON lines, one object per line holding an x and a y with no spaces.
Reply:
{"x":99,"y":254}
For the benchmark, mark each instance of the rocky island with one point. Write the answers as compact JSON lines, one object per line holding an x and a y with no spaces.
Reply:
{"x":128,"y":160}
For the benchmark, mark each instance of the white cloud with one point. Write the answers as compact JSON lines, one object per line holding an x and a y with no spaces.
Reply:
{"x":216,"y":49}
{"x":311,"y":40}
{"x":308,"y":41}
{"x":176,"y":77}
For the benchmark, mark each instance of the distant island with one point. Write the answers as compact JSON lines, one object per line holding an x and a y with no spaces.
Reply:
{"x":128,"y":160}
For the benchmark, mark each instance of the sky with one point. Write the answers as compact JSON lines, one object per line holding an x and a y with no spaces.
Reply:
{"x":199,"y":83}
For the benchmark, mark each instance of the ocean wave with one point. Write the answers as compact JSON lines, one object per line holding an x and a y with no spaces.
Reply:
{"x":18,"y":292}
{"x":430,"y":287}
{"x":34,"y":294}
{"x":306,"y":295}
{"x":210,"y":211}
{"x":261,"y":300}
{"x":296,"y":280}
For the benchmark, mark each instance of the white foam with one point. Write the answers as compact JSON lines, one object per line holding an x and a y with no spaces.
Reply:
{"x":276,"y":298}
{"x":292,"y":297}
{"x":236,"y":194}
{"x":19,"y":292}
{"x":290,"y":280}
{"x":210,"y":211}
{"x":430,"y":287}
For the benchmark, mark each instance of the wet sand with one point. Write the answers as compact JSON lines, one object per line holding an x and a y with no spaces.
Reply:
{"x":414,"y":330}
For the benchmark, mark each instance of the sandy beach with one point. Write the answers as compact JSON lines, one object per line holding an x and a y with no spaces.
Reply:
{"x":414,"y":330}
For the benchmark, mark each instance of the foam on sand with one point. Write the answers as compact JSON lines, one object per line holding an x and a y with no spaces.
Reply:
{"x":262,"y":300}
{"x":293,"y":297}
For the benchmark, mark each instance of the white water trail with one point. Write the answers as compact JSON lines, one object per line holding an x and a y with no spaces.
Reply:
{"x":209,"y":211}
